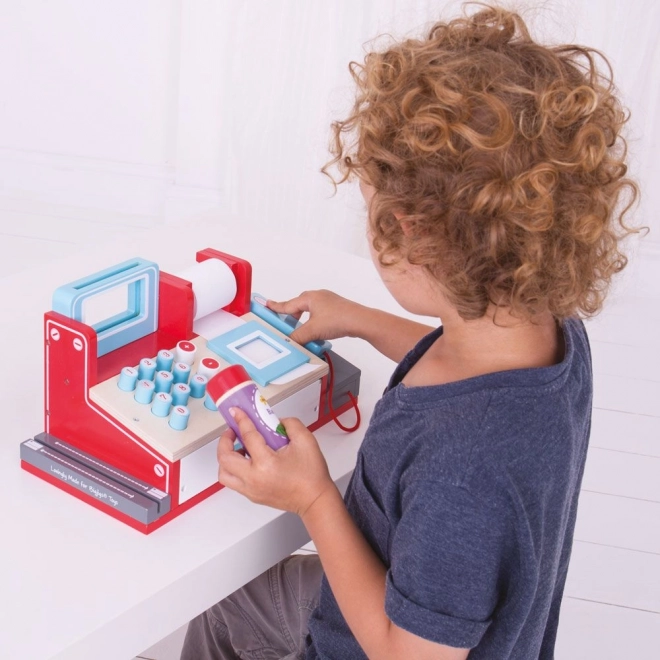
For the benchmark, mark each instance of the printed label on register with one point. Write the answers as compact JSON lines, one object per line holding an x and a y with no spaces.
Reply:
{"x":33,"y":444}
{"x":157,"y":493}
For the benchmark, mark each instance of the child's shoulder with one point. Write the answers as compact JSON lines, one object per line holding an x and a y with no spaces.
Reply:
{"x":502,"y":423}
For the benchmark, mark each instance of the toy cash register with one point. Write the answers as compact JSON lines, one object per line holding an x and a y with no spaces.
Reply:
{"x":128,"y":425}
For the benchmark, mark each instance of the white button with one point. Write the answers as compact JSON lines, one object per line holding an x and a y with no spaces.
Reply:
{"x":185,"y":352}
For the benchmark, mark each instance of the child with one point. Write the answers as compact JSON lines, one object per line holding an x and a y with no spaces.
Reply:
{"x":493,"y":172}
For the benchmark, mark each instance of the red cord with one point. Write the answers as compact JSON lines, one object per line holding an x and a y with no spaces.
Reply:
{"x":331,"y":385}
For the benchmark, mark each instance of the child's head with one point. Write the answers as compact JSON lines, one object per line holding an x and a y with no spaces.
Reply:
{"x":498,"y":165}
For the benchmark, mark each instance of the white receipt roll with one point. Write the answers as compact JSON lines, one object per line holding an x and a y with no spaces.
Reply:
{"x":213,"y":283}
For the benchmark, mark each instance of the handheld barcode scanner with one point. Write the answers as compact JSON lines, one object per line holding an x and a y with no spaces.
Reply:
{"x":128,"y":424}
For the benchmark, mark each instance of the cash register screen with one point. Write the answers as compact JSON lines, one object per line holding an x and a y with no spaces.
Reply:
{"x":259,"y":352}
{"x":112,"y":303}
{"x":266,"y":356}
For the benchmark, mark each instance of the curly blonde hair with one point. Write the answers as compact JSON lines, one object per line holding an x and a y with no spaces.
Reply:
{"x":504,"y":160}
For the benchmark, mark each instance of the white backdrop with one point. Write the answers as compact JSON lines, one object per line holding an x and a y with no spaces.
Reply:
{"x":165,"y":108}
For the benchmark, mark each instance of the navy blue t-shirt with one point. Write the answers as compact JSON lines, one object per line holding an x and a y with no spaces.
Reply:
{"x":468,"y":493}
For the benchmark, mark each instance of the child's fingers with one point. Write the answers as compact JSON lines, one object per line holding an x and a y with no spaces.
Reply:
{"x":229,"y":433}
{"x":306,"y":332}
{"x":252,"y":440}
{"x":296,"y":306}
{"x":232,"y":466}
{"x":226,"y":443}
{"x":230,"y":459}
{"x":295,"y":428}
{"x":228,"y":478}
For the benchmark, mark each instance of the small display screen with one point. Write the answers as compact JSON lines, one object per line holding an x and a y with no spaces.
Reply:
{"x":265,"y":356}
{"x":109,"y":304}
{"x":258,"y":351}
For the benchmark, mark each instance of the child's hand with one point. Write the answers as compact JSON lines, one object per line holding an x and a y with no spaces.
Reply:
{"x":290,"y":479}
{"x":330,"y":315}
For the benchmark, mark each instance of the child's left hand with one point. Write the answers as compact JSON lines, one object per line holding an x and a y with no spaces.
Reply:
{"x":290,"y":479}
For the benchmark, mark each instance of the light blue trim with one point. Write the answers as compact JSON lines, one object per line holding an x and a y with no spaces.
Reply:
{"x":141,"y":315}
{"x":290,"y":359}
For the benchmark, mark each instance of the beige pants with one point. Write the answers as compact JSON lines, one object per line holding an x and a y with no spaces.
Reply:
{"x":264,"y":620}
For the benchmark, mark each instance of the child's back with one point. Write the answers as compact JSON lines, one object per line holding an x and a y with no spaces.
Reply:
{"x":468,"y":492}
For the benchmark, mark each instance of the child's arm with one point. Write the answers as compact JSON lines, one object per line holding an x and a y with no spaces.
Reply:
{"x":296,"y":479}
{"x":357,"y":578}
{"x":331,"y":316}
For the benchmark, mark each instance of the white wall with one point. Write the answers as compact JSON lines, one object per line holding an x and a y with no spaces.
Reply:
{"x":163,"y":108}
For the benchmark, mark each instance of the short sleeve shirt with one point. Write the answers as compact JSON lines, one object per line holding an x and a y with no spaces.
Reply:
{"x":468,"y":493}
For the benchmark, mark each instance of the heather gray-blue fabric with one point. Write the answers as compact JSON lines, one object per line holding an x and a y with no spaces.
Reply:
{"x":468,"y":493}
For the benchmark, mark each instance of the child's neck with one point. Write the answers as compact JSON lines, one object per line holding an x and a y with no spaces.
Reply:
{"x":473,"y":348}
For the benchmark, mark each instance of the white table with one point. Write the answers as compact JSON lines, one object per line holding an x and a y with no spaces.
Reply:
{"x":74,"y":582}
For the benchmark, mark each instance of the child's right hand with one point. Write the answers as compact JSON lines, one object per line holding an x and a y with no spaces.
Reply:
{"x":330,"y":315}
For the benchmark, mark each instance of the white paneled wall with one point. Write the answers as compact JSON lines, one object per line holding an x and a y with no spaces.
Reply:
{"x":165,"y":108}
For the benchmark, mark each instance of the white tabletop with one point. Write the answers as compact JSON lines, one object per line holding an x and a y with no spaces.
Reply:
{"x":75,"y":583}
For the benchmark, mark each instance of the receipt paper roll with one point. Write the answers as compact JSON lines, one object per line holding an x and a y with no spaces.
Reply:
{"x":213,"y":284}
